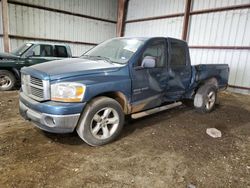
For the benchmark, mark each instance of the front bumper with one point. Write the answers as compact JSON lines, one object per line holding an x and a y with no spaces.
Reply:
{"x":59,"y":120}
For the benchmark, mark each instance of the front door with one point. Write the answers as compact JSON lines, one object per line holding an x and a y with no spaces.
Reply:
{"x":149,"y":84}
{"x":41,"y":53}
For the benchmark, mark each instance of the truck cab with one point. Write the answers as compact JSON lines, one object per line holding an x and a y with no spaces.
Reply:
{"x":121,"y":76}
{"x":28,"y":54}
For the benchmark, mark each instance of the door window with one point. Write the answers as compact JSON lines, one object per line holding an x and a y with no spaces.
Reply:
{"x":43,"y":51}
{"x":178,"y":54}
{"x":157,"y":50}
{"x":60,"y":51}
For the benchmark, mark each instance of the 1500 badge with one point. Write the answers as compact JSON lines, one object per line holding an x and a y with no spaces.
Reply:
{"x":139,"y":90}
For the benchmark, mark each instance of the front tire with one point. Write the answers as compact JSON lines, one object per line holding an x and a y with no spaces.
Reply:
{"x":101,"y":121}
{"x":7,"y":80}
{"x":205,"y":98}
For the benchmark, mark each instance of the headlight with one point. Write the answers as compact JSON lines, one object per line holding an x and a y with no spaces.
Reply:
{"x":67,"y":92}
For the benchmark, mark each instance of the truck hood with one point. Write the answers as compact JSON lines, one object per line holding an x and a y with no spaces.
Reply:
{"x":7,"y":56}
{"x":71,"y":67}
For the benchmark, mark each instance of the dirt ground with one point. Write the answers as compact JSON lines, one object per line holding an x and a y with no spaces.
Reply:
{"x":169,"y":149}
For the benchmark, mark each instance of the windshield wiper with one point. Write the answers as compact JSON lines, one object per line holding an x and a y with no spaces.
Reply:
{"x":103,"y":58}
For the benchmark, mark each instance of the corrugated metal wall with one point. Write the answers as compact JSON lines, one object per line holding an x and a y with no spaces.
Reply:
{"x":146,"y":8}
{"x":164,"y":27}
{"x":1,"y":29}
{"x":226,"y":28}
{"x":99,"y":8}
{"x":33,"y":22}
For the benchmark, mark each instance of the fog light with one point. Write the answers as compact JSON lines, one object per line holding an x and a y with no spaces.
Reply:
{"x":50,"y":121}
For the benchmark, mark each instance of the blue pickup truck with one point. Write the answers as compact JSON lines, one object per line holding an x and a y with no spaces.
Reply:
{"x":119,"y":77}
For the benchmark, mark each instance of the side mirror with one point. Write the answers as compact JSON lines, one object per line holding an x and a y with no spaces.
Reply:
{"x":148,"y":62}
{"x":29,"y":54}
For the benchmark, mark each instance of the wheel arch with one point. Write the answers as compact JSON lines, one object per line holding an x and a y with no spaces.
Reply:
{"x":119,"y":97}
{"x":211,"y":81}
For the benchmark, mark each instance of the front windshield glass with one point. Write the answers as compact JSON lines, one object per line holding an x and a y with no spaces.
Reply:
{"x":118,"y":50}
{"x":19,"y":51}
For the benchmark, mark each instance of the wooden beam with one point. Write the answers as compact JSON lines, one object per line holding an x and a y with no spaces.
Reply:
{"x":186,"y":19}
{"x":239,"y":87}
{"x":121,"y":13}
{"x":5,"y":19}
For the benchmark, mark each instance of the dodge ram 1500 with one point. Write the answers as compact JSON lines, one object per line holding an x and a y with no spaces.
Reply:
{"x":121,"y":76}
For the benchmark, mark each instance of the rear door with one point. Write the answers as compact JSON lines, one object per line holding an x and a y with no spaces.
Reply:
{"x":149,"y":84}
{"x":179,"y":69}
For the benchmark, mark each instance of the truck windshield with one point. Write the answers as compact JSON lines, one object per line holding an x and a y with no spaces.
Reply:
{"x":19,"y":51}
{"x":118,"y":50}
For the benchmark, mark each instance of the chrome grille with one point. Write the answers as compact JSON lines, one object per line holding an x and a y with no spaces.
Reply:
{"x":35,"y":88}
{"x":36,"y":81}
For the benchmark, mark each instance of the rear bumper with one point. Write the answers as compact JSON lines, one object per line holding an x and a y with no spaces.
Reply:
{"x":57,"y":121}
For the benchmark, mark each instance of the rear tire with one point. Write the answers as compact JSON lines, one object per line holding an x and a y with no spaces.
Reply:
{"x":205,"y":98}
{"x":101,"y":121}
{"x":7,"y":80}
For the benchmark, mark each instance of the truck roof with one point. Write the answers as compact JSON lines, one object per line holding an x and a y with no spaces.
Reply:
{"x":147,"y":38}
{"x":48,"y":43}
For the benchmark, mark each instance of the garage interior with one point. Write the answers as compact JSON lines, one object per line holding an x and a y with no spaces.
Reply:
{"x":169,"y":149}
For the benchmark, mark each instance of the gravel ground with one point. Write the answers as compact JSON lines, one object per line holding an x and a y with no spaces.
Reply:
{"x":169,"y":149}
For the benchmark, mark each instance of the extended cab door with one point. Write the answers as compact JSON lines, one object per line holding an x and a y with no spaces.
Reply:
{"x":149,"y":84}
{"x":179,"y":69}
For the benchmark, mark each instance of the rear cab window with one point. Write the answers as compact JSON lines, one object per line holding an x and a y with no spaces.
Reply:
{"x":60,"y":51}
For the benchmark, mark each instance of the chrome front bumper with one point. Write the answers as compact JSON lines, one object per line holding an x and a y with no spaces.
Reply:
{"x":50,"y":122}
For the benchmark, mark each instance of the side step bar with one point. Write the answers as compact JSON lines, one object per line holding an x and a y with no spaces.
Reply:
{"x":155,"y":110}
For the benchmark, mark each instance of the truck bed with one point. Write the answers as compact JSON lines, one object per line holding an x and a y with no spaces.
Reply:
{"x":218,"y":71}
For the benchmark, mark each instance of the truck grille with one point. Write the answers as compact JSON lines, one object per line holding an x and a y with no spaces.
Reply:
{"x":35,"y":88}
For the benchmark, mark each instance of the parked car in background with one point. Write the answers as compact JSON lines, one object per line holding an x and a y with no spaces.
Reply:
{"x":28,"y":54}
{"x":122,"y":76}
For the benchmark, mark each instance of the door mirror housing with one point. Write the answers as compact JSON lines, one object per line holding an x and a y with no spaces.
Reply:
{"x":148,"y":62}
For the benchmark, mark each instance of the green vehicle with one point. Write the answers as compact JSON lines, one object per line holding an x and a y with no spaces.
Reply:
{"x":28,"y":54}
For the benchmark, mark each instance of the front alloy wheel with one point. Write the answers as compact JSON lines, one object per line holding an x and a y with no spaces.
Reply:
{"x":104,"y":123}
{"x":101,"y":121}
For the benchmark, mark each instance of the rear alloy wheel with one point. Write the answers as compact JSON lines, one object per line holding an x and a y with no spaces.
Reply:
{"x":101,"y":121}
{"x":205,"y":98}
{"x":7,"y":80}
{"x":211,"y":96}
